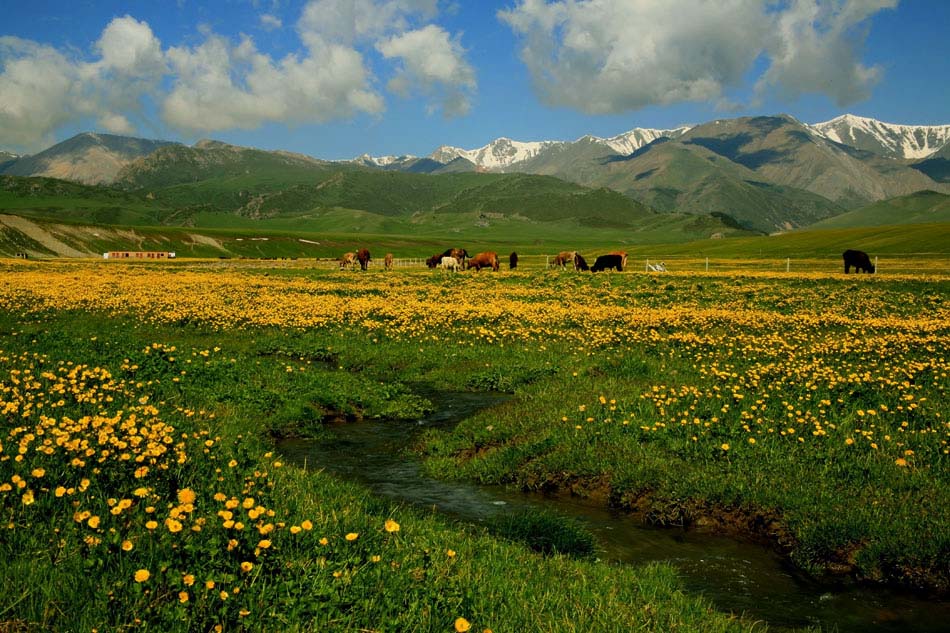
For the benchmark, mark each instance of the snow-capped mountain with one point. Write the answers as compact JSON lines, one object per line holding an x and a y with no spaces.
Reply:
{"x":383,"y":161}
{"x":499,"y":154}
{"x":503,"y":153}
{"x":887,"y":139}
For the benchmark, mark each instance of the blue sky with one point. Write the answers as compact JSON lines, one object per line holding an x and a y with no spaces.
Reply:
{"x":337,"y":78}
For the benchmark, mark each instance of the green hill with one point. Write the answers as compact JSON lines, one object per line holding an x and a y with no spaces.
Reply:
{"x":917,"y":208}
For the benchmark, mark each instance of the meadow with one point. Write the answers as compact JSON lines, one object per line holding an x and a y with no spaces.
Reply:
{"x":140,"y":487}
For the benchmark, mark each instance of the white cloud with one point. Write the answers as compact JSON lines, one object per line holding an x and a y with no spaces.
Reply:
{"x":815,"y":49}
{"x":36,"y":88}
{"x":269,"y":22}
{"x":42,"y":88}
{"x":433,"y":62}
{"x":352,"y":21}
{"x":608,"y":56}
{"x":219,"y":86}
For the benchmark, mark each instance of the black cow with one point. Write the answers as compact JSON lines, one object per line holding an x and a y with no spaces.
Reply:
{"x":858,"y":259}
{"x":606,"y":262}
{"x":580,"y":263}
{"x":512,"y":261}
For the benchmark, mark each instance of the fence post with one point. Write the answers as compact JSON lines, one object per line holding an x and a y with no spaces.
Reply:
{"x":788,"y":264}
{"x":875,"y":263}
{"x":647,"y":269}
{"x":707,"y":264}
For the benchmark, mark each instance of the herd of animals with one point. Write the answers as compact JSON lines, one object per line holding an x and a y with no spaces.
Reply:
{"x":456,"y":259}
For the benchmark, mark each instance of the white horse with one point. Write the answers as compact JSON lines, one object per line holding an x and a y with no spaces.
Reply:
{"x":450,"y":263}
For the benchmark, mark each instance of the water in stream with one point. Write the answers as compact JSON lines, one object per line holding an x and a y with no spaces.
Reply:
{"x":737,"y":576}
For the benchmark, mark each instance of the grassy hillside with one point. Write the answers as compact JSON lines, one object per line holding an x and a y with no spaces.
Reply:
{"x":917,"y":208}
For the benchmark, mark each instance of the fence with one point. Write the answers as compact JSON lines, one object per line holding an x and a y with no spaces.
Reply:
{"x":891,"y":264}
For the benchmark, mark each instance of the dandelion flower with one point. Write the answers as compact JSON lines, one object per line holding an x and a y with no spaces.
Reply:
{"x":391,"y":526}
{"x":183,"y":597}
{"x":352,"y":536}
{"x":307,"y":524}
{"x":462,"y":625}
{"x":247,"y":566}
{"x":186,"y":495}
{"x":724,"y":446}
{"x":142,"y":575}
{"x":188,"y":579}
{"x":127,"y":546}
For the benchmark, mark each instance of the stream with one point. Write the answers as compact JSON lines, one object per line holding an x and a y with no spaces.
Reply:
{"x":737,"y":576}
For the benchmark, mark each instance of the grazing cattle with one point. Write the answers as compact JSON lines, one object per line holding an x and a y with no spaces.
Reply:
{"x":562,"y":258}
{"x":460,"y":254}
{"x":580,"y":263}
{"x":858,"y":259}
{"x":388,"y":261}
{"x":348,"y":261}
{"x":362,"y":256}
{"x":484,"y":260}
{"x":434,"y":261}
{"x":623,"y":258}
{"x":606,"y":262}
{"x":450,"y":263}
{"x":512,"y":261}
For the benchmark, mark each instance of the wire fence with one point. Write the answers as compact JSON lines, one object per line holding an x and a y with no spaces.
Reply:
{"x":909,"y":264}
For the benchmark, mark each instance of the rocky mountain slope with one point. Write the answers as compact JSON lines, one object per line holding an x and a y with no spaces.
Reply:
{"x":87,"y":158}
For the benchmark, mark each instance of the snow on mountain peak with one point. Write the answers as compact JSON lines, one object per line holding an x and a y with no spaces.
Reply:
{"x":890,"y":139}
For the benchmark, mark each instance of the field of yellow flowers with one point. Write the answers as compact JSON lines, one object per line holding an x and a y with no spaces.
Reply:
{"x":139,"y":403}
{"x":139,"y":489}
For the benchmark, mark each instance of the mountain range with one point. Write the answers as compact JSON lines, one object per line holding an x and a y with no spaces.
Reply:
{"x":765,"y":174}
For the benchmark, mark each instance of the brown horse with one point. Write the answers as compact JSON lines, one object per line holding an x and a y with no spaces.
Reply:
{"x":562,"y":259}
{"x":484,"y":260}
{"x":348,"y":260}
{"x":362,"y":256}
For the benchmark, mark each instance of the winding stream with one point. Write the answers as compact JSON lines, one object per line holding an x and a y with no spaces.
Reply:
{"x":737,"y":576}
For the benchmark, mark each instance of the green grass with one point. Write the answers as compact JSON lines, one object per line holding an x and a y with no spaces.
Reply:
{"x":421,"y":578}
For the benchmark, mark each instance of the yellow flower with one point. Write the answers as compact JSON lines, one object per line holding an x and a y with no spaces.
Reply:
{"x":247,"y":566}
{"x":183,"y":597}
{"x":127,"y":546}
{"x":142,"y":575}
{"x":307,"y":524}
{"x":188,"y":579}
{"x":38,"y":472}
{"x":186,"y":495}
{"x":352,"y":536}
{"x":295,"y":529}
{"x":27,"y":498}
{"x":324,"y":541}
{"x":264,"y":543}
{"x":724,"y":446}
{"x":93,"y":522}
{"x":223,"y":595}
{"x":151,"y":525}
{"x":209,"y":584}
{"x":900,"y":461}
{"x":462,"y":625}
{"x":450,"y":553}
{"x":391,"y":526}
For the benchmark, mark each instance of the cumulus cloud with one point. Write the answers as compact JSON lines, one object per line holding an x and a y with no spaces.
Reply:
{"x":42,"y":88}
{"x":219,"y":83}
{"x":220,"y":86}
{"x":35,"y":88}
{"x":433,"y":62}
{"x":609,"y":56}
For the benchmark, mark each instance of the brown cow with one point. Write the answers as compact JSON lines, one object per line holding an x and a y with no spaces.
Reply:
{"x":362,"y":256}
{"x":348,"y":260}
{"x":484,"y":260}
{"x":388,"y":261}
{"x":434,"y":261}
{"x":562,"y":259}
